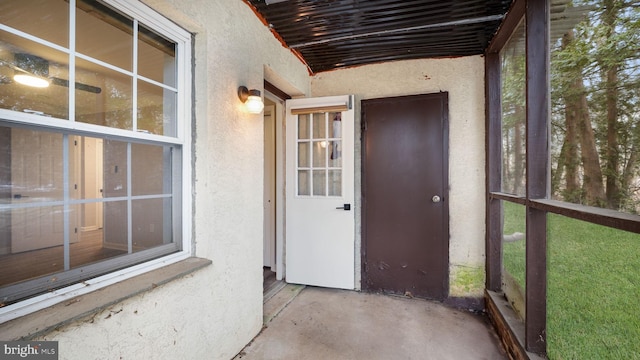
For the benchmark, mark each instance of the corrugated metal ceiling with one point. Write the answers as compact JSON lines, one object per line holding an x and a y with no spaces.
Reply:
{"x":331,"y":34}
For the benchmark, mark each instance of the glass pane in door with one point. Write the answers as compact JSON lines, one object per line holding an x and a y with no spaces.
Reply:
{"x":303,"y":126}
{"x":319,"y":157}
{"x":319,"y":182}
{"x":303,"y":182}
{"x":319,"y":154}
{"x":319,"y":126}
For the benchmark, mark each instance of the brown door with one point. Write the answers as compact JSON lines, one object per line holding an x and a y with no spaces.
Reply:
{"x":405,"y":230}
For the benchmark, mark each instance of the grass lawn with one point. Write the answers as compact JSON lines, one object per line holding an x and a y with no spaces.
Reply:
{"x":593,"y":305}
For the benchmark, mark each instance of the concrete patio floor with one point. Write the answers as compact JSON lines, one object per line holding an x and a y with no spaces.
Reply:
{"x":339,"y":324}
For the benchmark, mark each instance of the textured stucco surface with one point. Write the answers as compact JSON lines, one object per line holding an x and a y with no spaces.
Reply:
{"x":212,"y":313}
{"x":463,"y":79}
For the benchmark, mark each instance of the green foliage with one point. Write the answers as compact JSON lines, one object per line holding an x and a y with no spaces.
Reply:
{"x":467,"y":281}
{"x":600,"y":62}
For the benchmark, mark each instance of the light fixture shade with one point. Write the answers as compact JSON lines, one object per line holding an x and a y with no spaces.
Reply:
{"x":31,"y":80}
{"x":254,"y":104}
{"x":251,"y":99}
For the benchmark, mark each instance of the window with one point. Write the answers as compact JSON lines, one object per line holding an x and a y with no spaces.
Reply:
{"x":595,"y":70}
{"x":92,"y":161}
{"x":577,"y":200}
{"x":319,"y":140}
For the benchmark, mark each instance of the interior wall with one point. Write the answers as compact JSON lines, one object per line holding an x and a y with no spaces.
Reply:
{"x":90,"y":184}
{"x":463,"y":79}
{"x":214,"y":312}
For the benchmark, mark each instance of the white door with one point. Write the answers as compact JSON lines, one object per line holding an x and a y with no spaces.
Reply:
{"x":320,"y":223}
{"x":92,"y":178}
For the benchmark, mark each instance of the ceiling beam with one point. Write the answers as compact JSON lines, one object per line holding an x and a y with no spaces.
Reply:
{"x":393,"y":31}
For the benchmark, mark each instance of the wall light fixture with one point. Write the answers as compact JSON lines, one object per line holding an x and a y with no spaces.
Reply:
{"x":251,"y":99}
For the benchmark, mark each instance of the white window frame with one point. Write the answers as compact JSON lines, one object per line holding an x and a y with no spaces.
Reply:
{"x":182,"y":38}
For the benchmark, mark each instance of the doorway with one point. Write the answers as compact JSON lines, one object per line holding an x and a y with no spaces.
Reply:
{"x":273,"y":200}
{"x":405,"y":232}
{"x":269,"y":200}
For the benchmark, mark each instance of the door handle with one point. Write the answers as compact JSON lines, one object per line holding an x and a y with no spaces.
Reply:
{"x":345,"y":207}
{"x":19,"y":196}
{"x":435,"y":199}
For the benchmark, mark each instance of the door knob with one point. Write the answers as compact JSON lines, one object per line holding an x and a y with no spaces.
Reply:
{"x":435,"y":198}
{"x":345,"y":207}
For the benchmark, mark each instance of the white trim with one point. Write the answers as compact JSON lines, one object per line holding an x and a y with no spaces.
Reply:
{"x":280,"y":184}
{"x":34,"y":38}
{"x":183,"y":110}
{"x":156,"y":83}
{"x":319,"y":102}
{"x":86,"y":128}
{"x":30,"y":305}
{"x":183,"y":83}
{"x":151,"y":19}
{"x":134,"y":99}
{"x":72,"y":62}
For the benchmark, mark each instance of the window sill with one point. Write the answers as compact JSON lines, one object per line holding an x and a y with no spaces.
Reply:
{"x":43,"y":321}
{"x":509,"y":327}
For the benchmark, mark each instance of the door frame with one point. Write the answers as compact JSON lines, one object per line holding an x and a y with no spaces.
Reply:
{"x":278,"y":114}
{"x":445,"y":195}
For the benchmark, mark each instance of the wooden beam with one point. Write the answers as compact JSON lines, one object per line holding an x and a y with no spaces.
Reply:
{"x":493,"y":170}
{"x":538,"y":172}
{"x":276,"y":91}
{"x":509,"y":24}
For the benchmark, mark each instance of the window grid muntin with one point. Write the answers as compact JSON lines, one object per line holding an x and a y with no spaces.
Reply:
{"x":311,"y":140}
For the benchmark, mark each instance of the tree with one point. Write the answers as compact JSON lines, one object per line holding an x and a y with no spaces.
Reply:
{"x":595,"y":104}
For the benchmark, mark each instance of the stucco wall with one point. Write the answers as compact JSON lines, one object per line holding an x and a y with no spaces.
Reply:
{"x":212,"y":313}
{"x":463,"y":79}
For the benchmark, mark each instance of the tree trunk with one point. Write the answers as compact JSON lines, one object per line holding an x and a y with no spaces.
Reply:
{"x":571,"y":160}
{"x":629,"y":170}
{"x":594,"y":190}
{"x":611,"y":152}
{"x":580,"y":131}
{"x":556,"y":179}
{"x":519,"y":166}
{"x":577,"y":112}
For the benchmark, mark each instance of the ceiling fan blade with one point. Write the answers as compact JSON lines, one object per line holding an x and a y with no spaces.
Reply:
{"x":79,"y":86}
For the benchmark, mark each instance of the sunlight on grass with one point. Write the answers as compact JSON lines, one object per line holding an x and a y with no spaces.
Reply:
{"x":593,"y":291}
{"x":593,"y":287}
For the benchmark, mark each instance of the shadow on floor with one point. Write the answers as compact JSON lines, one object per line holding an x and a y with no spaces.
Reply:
{"x":340,"y":324}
